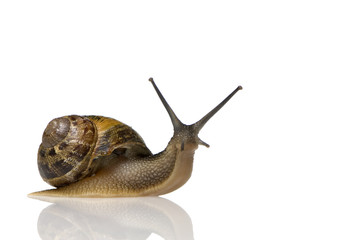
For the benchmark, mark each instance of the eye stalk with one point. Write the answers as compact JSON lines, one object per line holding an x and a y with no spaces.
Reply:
{"x":200,"y":124}
{"x":196,"y":127}
{"x":177,"y":124}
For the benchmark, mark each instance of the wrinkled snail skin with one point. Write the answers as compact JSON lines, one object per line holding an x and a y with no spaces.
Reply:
{"x":95,"y":156}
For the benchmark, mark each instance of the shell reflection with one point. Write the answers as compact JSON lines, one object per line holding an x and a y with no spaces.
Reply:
{"x":114,"y":218}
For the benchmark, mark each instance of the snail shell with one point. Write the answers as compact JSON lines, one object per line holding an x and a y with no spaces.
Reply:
{"x":74,"y":146}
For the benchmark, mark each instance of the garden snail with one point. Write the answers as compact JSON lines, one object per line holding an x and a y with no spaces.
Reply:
{"x":94,"y":156}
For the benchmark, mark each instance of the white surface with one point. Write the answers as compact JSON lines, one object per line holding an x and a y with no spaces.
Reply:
{"x":285,"y":156}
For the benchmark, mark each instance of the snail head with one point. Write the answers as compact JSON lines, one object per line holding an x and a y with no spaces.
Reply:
{"x":187,"y":135}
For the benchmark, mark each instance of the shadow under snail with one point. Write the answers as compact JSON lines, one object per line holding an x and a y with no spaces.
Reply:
{"x":95,"y":156}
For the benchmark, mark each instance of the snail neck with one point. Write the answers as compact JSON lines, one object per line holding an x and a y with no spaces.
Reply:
{"x":175,"y":163}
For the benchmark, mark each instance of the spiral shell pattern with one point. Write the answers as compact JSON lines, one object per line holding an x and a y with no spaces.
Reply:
{"x":66,"y":150}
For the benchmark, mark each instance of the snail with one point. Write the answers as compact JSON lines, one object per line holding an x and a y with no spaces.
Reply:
{"x":95,"y":156}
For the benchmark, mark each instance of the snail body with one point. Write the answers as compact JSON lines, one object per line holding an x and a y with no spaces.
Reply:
{"x":95,"y":156}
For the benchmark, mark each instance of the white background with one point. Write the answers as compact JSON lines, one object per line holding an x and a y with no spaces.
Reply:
{"x":285,"y":159}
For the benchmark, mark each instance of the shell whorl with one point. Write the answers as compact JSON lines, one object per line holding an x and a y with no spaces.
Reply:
{"x":55,"y":132}
{"x":66,"y":149}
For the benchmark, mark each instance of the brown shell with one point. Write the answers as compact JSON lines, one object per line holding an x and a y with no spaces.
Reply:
{"x":73,"y":146}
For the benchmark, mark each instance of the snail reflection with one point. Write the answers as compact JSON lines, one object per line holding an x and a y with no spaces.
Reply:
{"x":114,"y":218}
